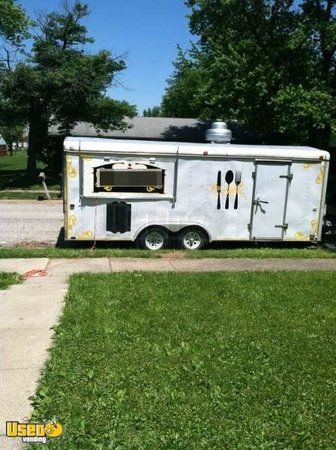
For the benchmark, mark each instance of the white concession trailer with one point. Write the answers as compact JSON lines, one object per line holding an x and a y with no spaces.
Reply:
{"x":151,"y":192}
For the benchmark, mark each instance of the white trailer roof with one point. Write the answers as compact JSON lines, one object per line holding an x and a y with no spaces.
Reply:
{"x":101,"y":145}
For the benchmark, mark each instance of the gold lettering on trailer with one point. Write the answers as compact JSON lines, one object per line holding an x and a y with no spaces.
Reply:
{"x":232,"y":190}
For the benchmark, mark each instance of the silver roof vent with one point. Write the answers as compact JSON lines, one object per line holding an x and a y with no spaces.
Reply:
{"x":219,"y":132}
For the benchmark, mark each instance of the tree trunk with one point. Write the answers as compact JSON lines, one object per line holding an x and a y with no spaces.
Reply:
{"x":10,"y":146}
{"x":32,"y":151}
{"x":38,"y":133}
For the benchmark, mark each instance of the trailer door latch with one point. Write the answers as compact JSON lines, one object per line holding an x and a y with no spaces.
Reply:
{"x":289,"y":176}
{"x":283,"y":226}
{"x":257,"y":202}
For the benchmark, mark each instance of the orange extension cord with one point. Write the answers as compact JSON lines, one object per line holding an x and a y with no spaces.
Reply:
{"x":37,"y":273}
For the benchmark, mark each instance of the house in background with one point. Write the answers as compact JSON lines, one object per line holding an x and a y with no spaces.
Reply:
{"x":3,"y":147}
{"x":147,"y":129}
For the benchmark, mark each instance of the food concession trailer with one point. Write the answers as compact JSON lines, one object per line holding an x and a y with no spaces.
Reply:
{"x":151,"y":192}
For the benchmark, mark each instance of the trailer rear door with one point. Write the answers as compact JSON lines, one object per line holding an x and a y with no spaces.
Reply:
{"x":269,"y":202}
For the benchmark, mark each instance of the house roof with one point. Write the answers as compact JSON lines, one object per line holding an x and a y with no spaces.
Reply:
{"x":2,"y":141}
{"x":147,"y":128}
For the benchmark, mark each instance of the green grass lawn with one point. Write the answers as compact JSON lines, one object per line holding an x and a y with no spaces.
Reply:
{"x":12,"y":176}
{"x":9,"y":194}
{"x":194,"y":361}
{"x":132,"y":252}
{"x":7,"y":279}
{"x":16,"y":162}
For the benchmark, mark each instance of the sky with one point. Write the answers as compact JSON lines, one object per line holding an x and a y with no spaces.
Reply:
{"x":145,"y":31}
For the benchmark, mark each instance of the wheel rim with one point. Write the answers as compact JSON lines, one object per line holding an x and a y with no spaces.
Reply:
{"x":154,"y":240}
{"x":192,"y":240}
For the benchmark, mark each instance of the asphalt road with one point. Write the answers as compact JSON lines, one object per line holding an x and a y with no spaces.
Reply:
{"x":26,"y":221}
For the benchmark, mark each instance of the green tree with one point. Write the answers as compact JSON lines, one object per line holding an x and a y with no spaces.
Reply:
{"x":61,"y":83}
{"x":13,"y":22}
{"x":267,"y":63}
{"x":182,"y":96}
{"x":305,"y":106}
{"x":152,"y":112}
{"x":13,"y":30}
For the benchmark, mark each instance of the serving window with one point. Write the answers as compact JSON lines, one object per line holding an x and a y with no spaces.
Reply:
{"x":129,"y":177}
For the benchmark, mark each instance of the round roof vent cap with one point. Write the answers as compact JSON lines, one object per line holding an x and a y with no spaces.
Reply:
{"x":219,"y":132}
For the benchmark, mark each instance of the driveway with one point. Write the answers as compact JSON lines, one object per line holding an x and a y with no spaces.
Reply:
{"x":25,"y":221}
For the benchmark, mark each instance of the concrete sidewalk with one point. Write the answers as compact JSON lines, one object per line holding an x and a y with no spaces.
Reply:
{"x":29,"y":310}
{"x":66,"y":267}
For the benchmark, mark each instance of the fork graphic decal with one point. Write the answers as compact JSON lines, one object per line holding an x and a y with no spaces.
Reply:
{"x":238,"y":176}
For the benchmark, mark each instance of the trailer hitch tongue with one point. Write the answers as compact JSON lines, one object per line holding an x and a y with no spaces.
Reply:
{"x":258,"y":204}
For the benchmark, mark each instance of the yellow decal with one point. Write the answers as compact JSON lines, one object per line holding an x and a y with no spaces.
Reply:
{"x":232,"y":190}
{"x":320,"y":176}
{"x":71,"y":171}
{"x":72,"y":220}
{"x":301,"y":236}
{"x":152,"y":188}
{"x":314,"y":226}
{"x":307,"y":165}
{"x":85,"y":235}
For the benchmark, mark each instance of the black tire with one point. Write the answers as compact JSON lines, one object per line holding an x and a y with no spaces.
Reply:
{"x":192,"y":238}
{"x":153,"y":238}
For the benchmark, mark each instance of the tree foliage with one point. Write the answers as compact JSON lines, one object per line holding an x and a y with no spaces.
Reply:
{"x":156,"y":111}
{"x":13,"y":21}
{"x":267,"y":63}
{"x":61,"y":83}
{"x":182,"y":97}
{"x":13,"y":30}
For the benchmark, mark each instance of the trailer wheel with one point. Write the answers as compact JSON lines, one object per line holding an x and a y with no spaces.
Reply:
{"x":192,"y":238}
{"x":154,"y":238}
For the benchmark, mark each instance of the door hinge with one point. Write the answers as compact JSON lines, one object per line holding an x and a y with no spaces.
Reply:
{"x":283,"y":226}
{"x":289,"y":176}
{"x":253,"y":175}
{"x":249,"y":227}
